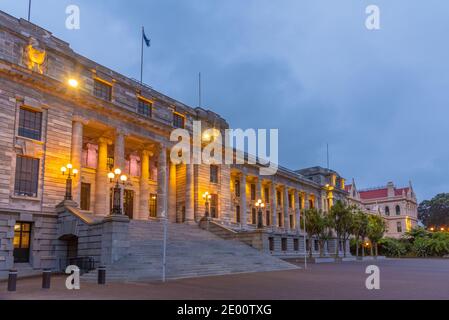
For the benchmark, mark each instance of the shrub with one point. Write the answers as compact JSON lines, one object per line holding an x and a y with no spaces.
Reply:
{"x":392,"y":247}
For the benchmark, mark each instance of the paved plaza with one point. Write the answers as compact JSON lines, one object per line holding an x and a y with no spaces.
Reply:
{"x":399,"y":279}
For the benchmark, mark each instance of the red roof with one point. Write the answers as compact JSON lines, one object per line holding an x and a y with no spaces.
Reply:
{"x":380,"y":193}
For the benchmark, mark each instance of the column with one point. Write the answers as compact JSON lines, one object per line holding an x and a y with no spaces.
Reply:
{"x":77,"y":150}
{"x":119,"y":159}
{"x":285,"y":204}
{"x":243,"y":208}
{"x":190,"y":212}
{"x":162,"y":204}
{"x":297,"y":212}
{"x":101,"y":180}
{"x":172,"y":214}
{"x":274,"y":219}
{"x":144,"y":196}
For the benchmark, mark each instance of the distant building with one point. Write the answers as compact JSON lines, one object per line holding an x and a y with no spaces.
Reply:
{"x":398,"y":206}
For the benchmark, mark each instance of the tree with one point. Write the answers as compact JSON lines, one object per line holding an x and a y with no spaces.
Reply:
{"x":360,"y":226}
{"x":316,"y":226}
{"x":375,"y":231}
{"x":435,"y":212}
{"x":342,"y":219}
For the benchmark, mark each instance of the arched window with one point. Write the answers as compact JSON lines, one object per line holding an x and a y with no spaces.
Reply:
{"x":398,"y":210}
{"x":387,"y":210}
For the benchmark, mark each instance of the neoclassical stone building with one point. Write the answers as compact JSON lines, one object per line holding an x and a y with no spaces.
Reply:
{"x":58,"y":107}
{"x":398,"y":206}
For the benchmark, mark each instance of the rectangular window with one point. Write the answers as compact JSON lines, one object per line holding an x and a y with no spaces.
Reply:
{"x":311,"y":204}
{"x":85,"y":196}
{"x":300,"y":203}
{"x":292,"y":222}
{"x":284,"y":244}
{"x":237,"y":188}
{"x":214,"y":206}
{"x":214,"y":174}
{"x":237,"y":214}
{"x":266,"y":193}
{"x":316,"y":245}
{"x":253,"y":216}
{"x":30,"y":124}
{"x":253,"y":192}
{"x":102,"y":90}
{"x":399,"y":226}
{"x":296,"y":244}
{"x":271,"y":243}
{"x":110,"y":163}
{"x":145,"y":108}
{"x":153,"y":205}
{"x":178,"y":121}
{"x":27,"y":176}
{"x":290,"y":201}
{"x":279,"y":219}
{"x":279,"y":198}
{"x":268,"y":218}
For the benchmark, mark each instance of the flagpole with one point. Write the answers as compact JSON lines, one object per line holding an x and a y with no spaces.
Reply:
{"x":29,"y":10}
{"x":199,"y":89}
{"x":141,"y":59}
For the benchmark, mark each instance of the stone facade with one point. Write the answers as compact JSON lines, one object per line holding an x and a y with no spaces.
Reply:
{"x":397,"y":206}
{"x":108,"y":121}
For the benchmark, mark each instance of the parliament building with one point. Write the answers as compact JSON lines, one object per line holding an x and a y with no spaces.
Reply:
{"x":64,"y":116}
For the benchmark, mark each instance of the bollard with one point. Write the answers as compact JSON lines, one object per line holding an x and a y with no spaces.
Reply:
{"x":102,"y":275}
{"x":12,"y":280}
{"x":46,"y":279}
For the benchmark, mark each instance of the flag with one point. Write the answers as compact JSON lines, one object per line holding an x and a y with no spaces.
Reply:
{"x":145,"y":38}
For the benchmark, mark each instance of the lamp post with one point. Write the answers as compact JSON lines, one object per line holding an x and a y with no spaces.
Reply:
{"x":260,"y":205}
{"x":118,"y":177}
{"x":71,"y":172}
{"x":207,"y":197}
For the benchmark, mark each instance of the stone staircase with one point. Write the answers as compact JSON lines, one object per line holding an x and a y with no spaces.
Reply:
{"x":191,"y":252}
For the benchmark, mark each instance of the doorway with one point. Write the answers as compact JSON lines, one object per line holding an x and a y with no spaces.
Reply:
{"x":22,"y":241}
{"x":128,"y":203}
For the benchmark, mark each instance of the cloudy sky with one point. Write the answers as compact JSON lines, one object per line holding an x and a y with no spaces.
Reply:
{"x":309,"y":68}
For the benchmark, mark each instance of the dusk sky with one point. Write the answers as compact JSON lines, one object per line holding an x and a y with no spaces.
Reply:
{"x":310,"y":68}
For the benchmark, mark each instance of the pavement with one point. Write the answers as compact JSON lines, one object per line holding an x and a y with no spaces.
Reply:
{"x":399,"y":279}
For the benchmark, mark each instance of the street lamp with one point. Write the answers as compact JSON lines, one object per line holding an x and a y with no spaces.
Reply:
{"x":260,"y":205}
{"x":207,"y":197}
{"x":71,"y":172}
{"x":118,"y":177}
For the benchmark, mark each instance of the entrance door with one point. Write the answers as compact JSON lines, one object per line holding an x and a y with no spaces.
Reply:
{"x":128,"y":203}
{"x":22,"y":241}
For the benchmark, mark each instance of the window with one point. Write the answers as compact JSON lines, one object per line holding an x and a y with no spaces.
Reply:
{"x":292,"y":222}
{"x":399,"y":226}
{"x":237,"y":214}
{"x":102,"y":90}
{"x":316,"y":245}
{"x":85,"y":196}
{"x":387,"y":211}
{"x":22,"y":241}
{"x":27,"y":175}
{"x":279,"y":219}
{"x":266,"y":193}
{"x":214,"y":174}
{"x":30,"y":124}
{"x":153,"y":205}
{"x":296,"y":244}
{"x":214,"y":206}
{"x":278,"y":196}
{"x":145,"y":108}
{"x":301,"y":206}
{"x":271,"y":243}
{"x":253,"y":192}
{"x":237,"y":188}
{"x":284,"y":244}
{"x":178,"y":121}
{"x":290,"y":200}
{"x":110,"y":163}
{"x":398,"y":210}
{"x":267,"y":218}
{"x":253,"y":216}
{"x":311,"y":204}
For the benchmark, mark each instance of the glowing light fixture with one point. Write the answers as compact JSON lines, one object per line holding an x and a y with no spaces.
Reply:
{"x":73,"y":83}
